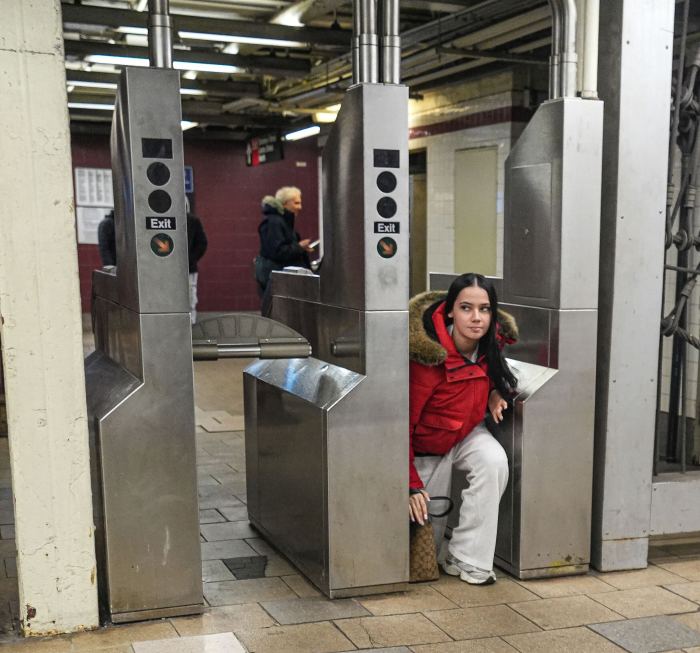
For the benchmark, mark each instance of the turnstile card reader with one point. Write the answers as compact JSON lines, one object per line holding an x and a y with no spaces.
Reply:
{"x":139,"y":380}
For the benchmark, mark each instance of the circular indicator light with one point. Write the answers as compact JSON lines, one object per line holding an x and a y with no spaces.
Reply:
{"x":386,"y":182}
{"x":159,"y":201}
{"x":162,"y":245}
{"x":386,"y":247}
{"x":386,"y":207}
{"x":158,"y":173}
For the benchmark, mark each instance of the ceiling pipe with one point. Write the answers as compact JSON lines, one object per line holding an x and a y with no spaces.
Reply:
{"x":390,"y":42}
{"x":589,"y":87}
{"x":554,"y":82}
{"x":365,"y":44}
{"x":568,"y":60}
{"x":160,"y":34}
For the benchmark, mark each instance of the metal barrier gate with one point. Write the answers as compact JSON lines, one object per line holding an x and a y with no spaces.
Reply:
{"x":550,"y":285}
{"x":326,"y":438}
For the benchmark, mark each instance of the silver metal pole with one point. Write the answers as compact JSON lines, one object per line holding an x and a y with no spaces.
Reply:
{"x":390,"y":42}
{"x":554,"y":87}
{"x":365,"y":42}
{"x":568,"y":58}
{"x":160,"y":34}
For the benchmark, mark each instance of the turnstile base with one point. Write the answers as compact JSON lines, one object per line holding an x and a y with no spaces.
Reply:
{"x":366,"y":591}
{"x":543,"y":572}
{"x":160,"y":613}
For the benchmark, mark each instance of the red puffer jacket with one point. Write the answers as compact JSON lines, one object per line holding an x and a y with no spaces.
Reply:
{"x":448,"y":395}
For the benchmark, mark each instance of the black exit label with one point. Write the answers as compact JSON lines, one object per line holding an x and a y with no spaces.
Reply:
{"x":159,"y":224}
{"x":387,"y":228}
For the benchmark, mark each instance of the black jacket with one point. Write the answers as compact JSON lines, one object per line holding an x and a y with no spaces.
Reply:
{"x":279,"y":243}
{"x":196,"y":241}
{"x":106,"y":240}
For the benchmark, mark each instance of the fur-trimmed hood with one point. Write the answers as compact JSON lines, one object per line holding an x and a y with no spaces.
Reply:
{"x":271,"y":204}
{"x":423,"y":349}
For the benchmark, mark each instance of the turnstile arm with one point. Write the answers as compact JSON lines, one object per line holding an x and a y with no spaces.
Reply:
{"x":211,"y":350}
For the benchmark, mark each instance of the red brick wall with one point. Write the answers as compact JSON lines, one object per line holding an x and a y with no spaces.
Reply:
{"x":227,"y":198}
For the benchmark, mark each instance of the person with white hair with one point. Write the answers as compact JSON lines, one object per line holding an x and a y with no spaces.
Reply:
{"x":280,"y":244}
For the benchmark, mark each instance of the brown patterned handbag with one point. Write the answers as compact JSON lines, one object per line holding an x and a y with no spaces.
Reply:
{"x":423,"y":559}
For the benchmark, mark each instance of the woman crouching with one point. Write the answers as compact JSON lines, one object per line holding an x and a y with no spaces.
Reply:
{"x":457,"y":372}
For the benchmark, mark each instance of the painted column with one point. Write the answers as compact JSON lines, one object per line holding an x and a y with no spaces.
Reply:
{"x":634,"y":72}
{"x":40,"y":327}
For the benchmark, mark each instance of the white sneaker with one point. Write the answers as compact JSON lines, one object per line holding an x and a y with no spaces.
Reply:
{"x":468,"y":573}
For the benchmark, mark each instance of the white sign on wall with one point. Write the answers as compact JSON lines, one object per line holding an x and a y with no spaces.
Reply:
{"x":93,"y":199}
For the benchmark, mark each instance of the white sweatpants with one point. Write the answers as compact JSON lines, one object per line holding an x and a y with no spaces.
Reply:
{"x":193,"y":296}
{"x":486,"y":466}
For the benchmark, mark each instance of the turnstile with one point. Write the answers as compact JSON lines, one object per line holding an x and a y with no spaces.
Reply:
{"x":326,"y":437}
{"x":139,"y":380}
{"x":550,"y":285}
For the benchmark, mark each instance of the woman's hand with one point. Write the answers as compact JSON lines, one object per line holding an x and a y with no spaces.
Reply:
{"x":418,"y":507}
{"x":305,"y":245}
{"x":497,"y":404}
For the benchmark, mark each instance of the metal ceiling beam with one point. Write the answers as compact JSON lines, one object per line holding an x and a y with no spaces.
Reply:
{"x":278,"y":66}
{"x":192,"y":110}
{"x":90,"y":15}
{"x":212,"y":87}
{"x":494,"y":55}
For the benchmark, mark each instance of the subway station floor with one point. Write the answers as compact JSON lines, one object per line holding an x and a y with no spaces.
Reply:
{"x":656,"y":609}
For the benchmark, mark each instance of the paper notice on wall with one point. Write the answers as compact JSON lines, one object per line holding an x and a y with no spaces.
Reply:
{"x":93,"y":187}
{"x":88,"y":218}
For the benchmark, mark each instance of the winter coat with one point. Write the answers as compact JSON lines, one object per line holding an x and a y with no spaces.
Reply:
{"x":448,"y":393}
{"x":106,"y":240}
{"x":196,"y":241}
{"x":279,"y":243}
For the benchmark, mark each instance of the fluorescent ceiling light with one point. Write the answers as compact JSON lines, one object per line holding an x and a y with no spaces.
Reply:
{"x":143,"y":31}
{"x":118,"y":60}
{"x":90,"y":105}
{"x":91,"y":84}
{"x":187,"y":124}
{"x":325,"y":116}
{"x":253,"y":40}
{"x":302,"y":133}
{"x":141,"y":5}
{"x":191,"y":91}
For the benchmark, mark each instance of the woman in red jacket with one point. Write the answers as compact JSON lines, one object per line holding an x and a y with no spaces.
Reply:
{"x":457,"y":372}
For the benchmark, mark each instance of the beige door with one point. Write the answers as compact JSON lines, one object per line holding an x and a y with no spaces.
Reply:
{"x":419,"y":232}
{"x":475,"y":210}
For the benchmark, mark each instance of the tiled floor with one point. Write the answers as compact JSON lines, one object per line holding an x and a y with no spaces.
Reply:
{"x":656,"y":609}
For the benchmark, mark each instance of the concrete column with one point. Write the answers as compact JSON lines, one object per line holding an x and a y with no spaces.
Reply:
{"x":40,"y":327}
{"x":636,"y":46}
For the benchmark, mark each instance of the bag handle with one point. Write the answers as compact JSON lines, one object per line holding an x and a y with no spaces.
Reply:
{"x":450,"y":505}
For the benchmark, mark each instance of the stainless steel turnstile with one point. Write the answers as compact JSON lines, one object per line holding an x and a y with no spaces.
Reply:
{"x":139,"y":380}
{"x":550,"y":285}
{"x":326,"y":437}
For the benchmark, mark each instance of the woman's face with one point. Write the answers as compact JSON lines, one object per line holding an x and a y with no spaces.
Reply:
{"x":293,"y":204}
{"x":471,"y":315}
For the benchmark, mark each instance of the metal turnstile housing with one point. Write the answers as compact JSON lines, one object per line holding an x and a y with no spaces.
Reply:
{"x":139,"y":380}
{"x":326,"y":437}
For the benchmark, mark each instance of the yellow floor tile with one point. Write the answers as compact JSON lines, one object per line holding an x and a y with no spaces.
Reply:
{"x":566,"y":612}
{"x":554,"y":588}
{"x":224,"y":619}
{"x":471,"y":596}
{"x":569,"y":640}
{"x":690,"y":590}
{"x":417,"y":599}
{"x":627,"y":580}
{"x":644,"y":602}
{"x":487,"y":621}
{"x":688,"y":569}
{"x":488,"y":645}
{"x":398,"y":630}
{"x":219,"y":643}
{"x":305,"y":638}
{"x":97,"y":640}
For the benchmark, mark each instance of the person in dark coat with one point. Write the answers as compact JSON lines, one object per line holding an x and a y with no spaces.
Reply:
{"x":106,"y":240}
{"x":196,"y":246}
{"x":457,"y":374}
{"x":280,"y":244}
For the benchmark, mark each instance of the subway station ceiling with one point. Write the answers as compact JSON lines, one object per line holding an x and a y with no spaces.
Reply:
{"x":255,"y":66}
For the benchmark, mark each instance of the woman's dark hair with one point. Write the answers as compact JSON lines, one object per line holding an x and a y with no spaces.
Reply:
{"x":499,"y":372}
